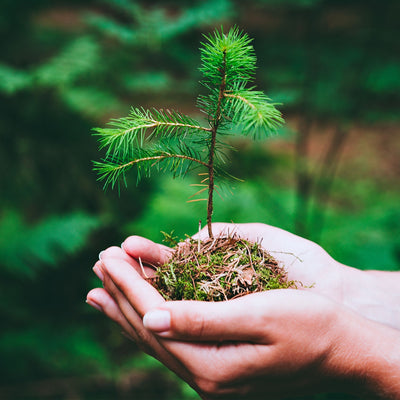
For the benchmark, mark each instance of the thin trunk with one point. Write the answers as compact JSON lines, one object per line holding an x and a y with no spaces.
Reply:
{"x":214,"y":128}
{"x":210,"y":205}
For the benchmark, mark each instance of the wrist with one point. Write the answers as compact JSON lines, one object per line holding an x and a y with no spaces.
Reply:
{"x":365,"y":357}
{"x":379,"y":347}
{"x":372,"y":295}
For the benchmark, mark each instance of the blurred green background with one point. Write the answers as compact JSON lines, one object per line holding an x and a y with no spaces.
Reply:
{"x":330,"y":175}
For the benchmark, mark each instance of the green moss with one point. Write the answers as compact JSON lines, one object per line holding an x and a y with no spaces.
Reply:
{"x":219,"y":269}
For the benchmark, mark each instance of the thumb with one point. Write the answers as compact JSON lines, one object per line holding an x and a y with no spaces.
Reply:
{"x":242,"y":319}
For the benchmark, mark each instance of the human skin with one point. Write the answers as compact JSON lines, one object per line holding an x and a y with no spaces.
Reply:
{"x":279,"y":342}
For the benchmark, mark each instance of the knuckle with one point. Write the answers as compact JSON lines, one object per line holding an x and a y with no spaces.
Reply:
{"x":196,"y":325}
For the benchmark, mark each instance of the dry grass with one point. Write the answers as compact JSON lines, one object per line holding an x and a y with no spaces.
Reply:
{"x":219,"y":269}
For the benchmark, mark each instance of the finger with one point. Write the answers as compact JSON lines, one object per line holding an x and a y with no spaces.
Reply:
{"x":186,"y":359}
{"x":219,"y":363}
{"x":140,"y":294}
{"x":102,"y":301}
{"x":144,"y":338}
{"x":258,"y":318}
{"x":243,"y":319}
{"x":117,"y":252}
{"x":148,"y":251}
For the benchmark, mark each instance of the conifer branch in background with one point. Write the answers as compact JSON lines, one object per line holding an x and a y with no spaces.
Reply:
{"x":167,"y":140}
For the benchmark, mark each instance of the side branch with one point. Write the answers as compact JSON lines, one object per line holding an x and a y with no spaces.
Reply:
{"x":155,"y":124}
{"x":177,"y":124}
{"x":236,"y":96}
{"x":160,"y":158}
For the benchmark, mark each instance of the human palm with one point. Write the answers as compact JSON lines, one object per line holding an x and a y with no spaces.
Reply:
{"x":243,"y":346}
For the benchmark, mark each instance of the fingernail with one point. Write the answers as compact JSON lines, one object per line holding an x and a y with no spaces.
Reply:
{"x":98,"y":272}
{"x":122,"y":245}
{"x":94,"y":305}
{"x":157,"y":320}
{"x":100,"y":254}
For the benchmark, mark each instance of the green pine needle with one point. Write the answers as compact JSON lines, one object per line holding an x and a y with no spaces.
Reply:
{"x":172,"y":155}
{"x":142,"y":125}
{"x":232,"y":49}
{"x":253,"y":111}
{"x":170,"y":141}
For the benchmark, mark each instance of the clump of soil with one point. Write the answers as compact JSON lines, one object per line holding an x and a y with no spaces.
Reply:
{"x":219,"y":269}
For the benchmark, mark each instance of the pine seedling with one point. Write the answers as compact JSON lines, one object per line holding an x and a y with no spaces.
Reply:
{"x":167,"y":140}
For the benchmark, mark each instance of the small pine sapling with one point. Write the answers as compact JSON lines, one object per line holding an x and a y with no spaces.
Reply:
{"x":222,"y":267}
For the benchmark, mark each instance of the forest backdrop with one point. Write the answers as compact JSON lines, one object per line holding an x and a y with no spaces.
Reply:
{"x":331,"y":174}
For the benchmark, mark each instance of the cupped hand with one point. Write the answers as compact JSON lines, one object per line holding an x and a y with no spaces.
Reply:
{"x":278,"y":343}
{"x":367,"y":293}
{"x":281,"y":341}
{"x":306,"y":262}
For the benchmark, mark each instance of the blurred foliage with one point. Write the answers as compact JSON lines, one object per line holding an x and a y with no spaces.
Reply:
{"x":24,"y":247}
{"x":68,"y":66}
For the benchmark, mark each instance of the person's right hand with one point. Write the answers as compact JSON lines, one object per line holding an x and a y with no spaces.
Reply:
{"x":372,"y":294}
